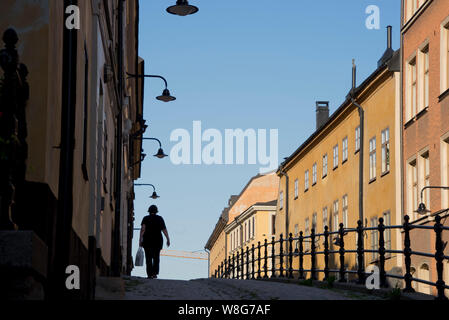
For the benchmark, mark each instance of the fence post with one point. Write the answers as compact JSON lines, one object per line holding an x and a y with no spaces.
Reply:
{"x":233,"y":266}
{"x":242,"y":257}
{"x":439,"y":257}
{"x":382,"y":274}
{"x":342,"y":254}
{"x":266,"y":259}
{"x":229,"y":267}
{"x":273,"y":259}
{"x":247,"y":263}
{"x":252,"y":262}
{"x":221,"y":270}
{"x":407,"y":255}
{"x":290,"y":257}
{"x":226,"y":268}
{"x":313,"y":255}
{"x":281,"y":256}
{"x":326,"y":252}
{"x":301,"y":256}
{"x":237,"y":265}
{"x":258,"y":259}
{"x":360,"y":254}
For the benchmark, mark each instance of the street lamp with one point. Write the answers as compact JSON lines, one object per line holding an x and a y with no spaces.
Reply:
{"x":422,"y":210}
{"x":166,"y":96}
{"x":160,"y":153}
{"x":182,"y":8}
{"x":154,"y":195}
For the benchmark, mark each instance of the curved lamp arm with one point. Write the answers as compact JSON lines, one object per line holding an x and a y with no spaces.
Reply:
{"x":147,"y":76}
{"x":432,"y":187}
{"x":145,"y":185}
{"x":154,"y":139}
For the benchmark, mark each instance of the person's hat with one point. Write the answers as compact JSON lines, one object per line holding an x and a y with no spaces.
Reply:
{"x":153,"y":209}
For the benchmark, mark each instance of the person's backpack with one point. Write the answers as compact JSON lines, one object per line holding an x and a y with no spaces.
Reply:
{"x":139,"y":257}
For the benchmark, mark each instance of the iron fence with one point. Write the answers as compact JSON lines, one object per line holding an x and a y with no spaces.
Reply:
{"x":246,"y":265}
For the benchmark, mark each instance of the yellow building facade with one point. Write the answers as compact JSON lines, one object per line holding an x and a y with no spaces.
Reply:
{"x":248,"y":219}
{"x":323,"y":174}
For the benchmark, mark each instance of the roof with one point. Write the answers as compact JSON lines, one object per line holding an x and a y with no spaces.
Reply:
{"x":392,"y":64}
{"x":223,"y":221}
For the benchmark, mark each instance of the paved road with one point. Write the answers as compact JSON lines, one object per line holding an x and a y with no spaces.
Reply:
{"x":225,"y":289}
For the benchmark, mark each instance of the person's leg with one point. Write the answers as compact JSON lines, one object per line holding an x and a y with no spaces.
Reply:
{"x":148,"y":261}
{"x":156,"y":259}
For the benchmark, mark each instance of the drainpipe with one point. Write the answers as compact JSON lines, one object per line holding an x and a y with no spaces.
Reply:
{"x":116,"y":267}
{"x":63,"y":230}
{"x":283,"y":173}
{"x":362,"y":131}
{"x":362,"y":135}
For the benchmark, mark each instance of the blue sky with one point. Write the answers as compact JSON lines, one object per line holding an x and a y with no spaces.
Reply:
{"x":253,"y":64}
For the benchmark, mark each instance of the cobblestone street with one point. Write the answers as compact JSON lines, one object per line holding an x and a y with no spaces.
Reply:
{"x":133,"y":288}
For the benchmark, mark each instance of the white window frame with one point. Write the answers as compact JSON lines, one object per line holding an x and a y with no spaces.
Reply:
{"x":344,"y":208}
{"x":345,"y":150}
{"x":386,"y":152}
{"x":325,"y":217}
{"x":314,"y":173}
{"x":444,"y":56}
{"x":372,"y":159}
{"x":306,"y":180}
{"x":296,"y":189}
{"x":325,"y":165}
{"x":281,"y":200}
{"x":335,"y":219}
{"x":335,"y":153}
{"x":357,"y":139}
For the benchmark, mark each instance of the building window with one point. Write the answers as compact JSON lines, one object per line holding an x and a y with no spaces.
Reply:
{"x":296,"y":230}
{"x":254,"y":227}
{"x":325,"y":218}
{"x":314,"y":221}
{"x":307,"y":233}
{"x":387,"y":235}
{"x":314,"y":173}
{"x":344,"y":205}
{"x":336,"y":156}
{"x":281,"y":200}
{"x":306,"y":180}
{"x":372,"y":159}
{"x":445,"y":51}
{"x":296,"y":188}
{"x":325,"y":165}
{"x":335,"y":216}
{"x":345,"y":149}
{"x":412,"y":89}
{"x":273,"y":224}
{"x":424,"y":101}
{"x":357,"y":139}
{"x":374,"y":239}
{"x":412,"y":187}
{"x":385,"y":150}
{"x":426,"y":177}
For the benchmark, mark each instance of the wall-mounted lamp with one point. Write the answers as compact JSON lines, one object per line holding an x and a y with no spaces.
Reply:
{"x":160,"y":153}
{"x":154,"y":195}
{"x":182,"y":8}
{"x":166,"y":96}
{"x":422,"y":210}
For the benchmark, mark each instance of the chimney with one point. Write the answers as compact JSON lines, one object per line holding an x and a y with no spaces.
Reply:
{"x":389,"y":52}
{"x":322,"y":113}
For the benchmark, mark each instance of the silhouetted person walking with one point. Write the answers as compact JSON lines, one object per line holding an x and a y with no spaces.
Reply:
{"x":151,"y":240}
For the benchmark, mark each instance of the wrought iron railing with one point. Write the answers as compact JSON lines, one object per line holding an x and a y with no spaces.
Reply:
{"x":263,"y":261}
